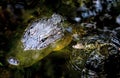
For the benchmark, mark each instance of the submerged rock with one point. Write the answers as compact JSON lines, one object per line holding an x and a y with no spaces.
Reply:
{"x":91,"y":52}
{"x":40,"y":38}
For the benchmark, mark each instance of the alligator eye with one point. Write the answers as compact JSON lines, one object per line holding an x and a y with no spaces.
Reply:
{"x":13,"y":61}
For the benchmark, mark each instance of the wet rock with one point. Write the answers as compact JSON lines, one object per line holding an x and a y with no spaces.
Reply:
{"x":95,"y":62}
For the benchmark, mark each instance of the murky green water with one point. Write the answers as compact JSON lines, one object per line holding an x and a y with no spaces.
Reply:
{"x":86,"y":44}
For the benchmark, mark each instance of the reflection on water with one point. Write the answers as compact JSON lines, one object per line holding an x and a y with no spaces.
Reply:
{"x":93,"y":52}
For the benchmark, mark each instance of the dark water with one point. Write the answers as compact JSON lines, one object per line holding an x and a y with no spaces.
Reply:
{"x":99,"y":19}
